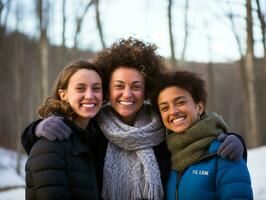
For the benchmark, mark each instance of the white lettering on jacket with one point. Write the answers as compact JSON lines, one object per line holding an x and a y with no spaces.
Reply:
{"x":200,"y":172}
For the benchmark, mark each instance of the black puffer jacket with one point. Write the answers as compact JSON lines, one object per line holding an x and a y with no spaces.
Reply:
{"x":67,"y":169}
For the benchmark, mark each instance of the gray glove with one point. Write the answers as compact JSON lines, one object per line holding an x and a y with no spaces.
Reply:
{"x":53,"y":128}
{"x":231,"y":147}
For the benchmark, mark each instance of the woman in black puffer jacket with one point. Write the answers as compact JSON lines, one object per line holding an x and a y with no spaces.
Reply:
{"x":68,"y":169}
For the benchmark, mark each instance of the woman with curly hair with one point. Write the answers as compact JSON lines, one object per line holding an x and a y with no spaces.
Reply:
{"x":180,"y":98}
{"x":137,"y":162}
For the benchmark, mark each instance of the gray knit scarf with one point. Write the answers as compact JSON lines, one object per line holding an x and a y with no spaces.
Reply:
{"x":190,"y":146}
{"x":131,"y":170}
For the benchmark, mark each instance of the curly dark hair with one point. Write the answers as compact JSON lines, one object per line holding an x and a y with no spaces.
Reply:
{"x":190,"y":81}
{"x":131,"y":53}
{"x":54,"y":104}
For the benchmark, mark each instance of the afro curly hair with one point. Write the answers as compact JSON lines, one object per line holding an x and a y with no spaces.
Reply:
{"x":187,"y":80}
{"x":131,"y":53}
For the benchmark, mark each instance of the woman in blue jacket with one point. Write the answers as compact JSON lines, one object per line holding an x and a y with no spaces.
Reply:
{"x":197,"y":172}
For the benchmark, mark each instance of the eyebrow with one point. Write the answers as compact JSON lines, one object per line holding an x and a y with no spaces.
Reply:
{"x":97,"y":84}
{"x":176,"y":99}
{"x":134,"y":82}
{"x":82,"y":84}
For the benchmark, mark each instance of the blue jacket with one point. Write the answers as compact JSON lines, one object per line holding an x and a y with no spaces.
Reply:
{"x":212,"y":178}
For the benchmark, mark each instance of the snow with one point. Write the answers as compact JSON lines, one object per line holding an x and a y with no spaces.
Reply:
{"x":257,"y":170}
{"x":9,"y":177}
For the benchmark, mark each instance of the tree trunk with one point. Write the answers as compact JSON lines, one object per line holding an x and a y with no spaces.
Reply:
{"x":171,"y":38}
{"x":1,"y":9}
{"x":242,"y":69}
{"x":79,"y":20}
{"x":262,"y":25}
{"x":263,"y":33}
{"x":186,"y":34}
{"x":254,"y":136}
{"x":18,"y":57}
{"x":99,"y":24}
{"x":64,"y":23}
{"x":211,"y":82}
{"x":5,"y":18}
{"x":43,"y":45}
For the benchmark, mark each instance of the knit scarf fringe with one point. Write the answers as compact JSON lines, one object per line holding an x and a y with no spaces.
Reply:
{"x":154,"y":192}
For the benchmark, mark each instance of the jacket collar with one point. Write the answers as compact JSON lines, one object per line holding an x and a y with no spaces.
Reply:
{"x":78,"y":146}
{"x":79,"y":137}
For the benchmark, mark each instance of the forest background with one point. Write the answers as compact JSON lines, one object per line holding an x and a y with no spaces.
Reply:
{"x":224,"y":40}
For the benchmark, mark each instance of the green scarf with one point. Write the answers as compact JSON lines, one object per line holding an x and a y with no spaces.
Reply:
{"x":190,"y":146}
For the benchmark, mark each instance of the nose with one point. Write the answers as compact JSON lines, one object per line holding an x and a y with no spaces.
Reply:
{"x":173,"y":110}
{"x":127,"y":92}
{"x":88,"y":94}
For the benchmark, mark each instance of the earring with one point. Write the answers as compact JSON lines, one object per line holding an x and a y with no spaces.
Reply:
{"x":108,"y":103}
{"x":146,"y":102}
{"x":198,"y":116}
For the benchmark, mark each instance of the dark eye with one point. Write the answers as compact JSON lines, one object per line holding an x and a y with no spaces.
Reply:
{"x":163,"y":108}
{"x":97,"y":89}
{"x":136,"y":87}
{"x":182,"y":102}
{"x":118,"y":86}
{"x":80,"y":89}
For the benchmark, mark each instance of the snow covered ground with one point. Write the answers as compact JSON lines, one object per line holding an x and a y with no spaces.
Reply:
{"x":9,"y":178}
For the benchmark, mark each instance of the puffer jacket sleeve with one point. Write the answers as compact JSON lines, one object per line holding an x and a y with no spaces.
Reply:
{"x":233,"y":180}
{"x":46,"y":177}
{"x":28,"y":137}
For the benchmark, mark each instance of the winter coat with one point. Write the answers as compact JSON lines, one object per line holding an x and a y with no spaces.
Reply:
{"x":211,"y":178}
{"x":161,"y":152}
{"x":64,"y":170}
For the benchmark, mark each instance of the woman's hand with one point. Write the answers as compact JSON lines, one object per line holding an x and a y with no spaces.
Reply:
{"x":231,"y":147}
{"x":53,"y":128}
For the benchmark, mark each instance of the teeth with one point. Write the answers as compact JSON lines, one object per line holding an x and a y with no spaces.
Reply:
{"x":88,"y":105}
{"x":176,"y":121}
{"x":126,"y":103}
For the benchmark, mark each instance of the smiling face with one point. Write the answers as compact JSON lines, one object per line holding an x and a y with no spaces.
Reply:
{"x":126,"y":93}
{"x":178,"y":109}
{"x":84,"y":94}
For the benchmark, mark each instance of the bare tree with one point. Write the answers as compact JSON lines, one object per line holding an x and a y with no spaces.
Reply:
{"x":3,"y":18}
{"x":171,"y":38}
{"x":79,"y":20}
{"x":263,"y":27}
{"x":186,"y":27}
{"x":242,"y":69}
{"x":42,"y":10}
{"x":254,"y":136}
{"x":18,"y":90}
{"x":19,"y":129}
{"x":99,"y":24}
{"x":64,"y":23}
{"x":1,"y":9}
{"x":210,"y":73}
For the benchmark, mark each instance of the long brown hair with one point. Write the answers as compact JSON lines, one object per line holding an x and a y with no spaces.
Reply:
{"x":54,"y":104}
